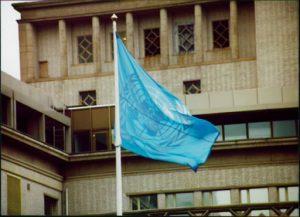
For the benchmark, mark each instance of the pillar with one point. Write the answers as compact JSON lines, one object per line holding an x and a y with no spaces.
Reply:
{"x":198,"y":39}
{"x":129,"y":33}
{"x":233,"y":30}
{"x":96,"y":44}
{"x":28,"y":52}
{"x":235,"y":196}
{"x":164,"y":48}
{"x":63,"y":48}
{"x":161,"y":201}
{"x":273,"y":197}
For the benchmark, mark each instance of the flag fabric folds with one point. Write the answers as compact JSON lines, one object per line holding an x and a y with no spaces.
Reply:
{"x":154,"y":123}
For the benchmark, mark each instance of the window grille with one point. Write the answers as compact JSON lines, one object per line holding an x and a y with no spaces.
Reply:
{"x":152,"y":42}
{"x":88,"y":97}
{"x":192,"y":87}
{"x":221,"y":33}
{"x":186,"y":38}
{"x":85,"y":49}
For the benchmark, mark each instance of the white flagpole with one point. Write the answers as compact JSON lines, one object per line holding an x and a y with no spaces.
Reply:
{"x":119,"y":201}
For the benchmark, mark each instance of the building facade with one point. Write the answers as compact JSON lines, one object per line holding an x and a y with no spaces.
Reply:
{"x":234,"y":63}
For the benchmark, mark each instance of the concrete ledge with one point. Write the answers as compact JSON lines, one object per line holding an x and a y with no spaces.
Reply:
{"x":269,"y":95}
{"x":221,"y":99}
{"x":245,"y":97}
{"x":200,"y":101}
{"x":243,"y":100}
{"x":290,"y":94}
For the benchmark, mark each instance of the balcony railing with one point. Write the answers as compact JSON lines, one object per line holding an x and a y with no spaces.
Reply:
{"x":241,"y":210}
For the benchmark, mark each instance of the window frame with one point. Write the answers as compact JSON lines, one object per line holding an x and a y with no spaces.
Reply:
{"x":174,"y":199}
{"x":213,"y":37}
{"x":144,"y":39}
{"x":176,"y":37}
{"x":89,"y":49}
{"x":211,"y":197}
{"x":138,"y":199}
{"x":87,"y":92}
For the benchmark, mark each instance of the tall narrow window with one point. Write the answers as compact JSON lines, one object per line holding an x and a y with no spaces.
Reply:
{"x":87,"y":97}
{"x":185,"y":38}
{"x":55,"y":133}
{"x":152,"y":42}
{"x":220,"y":33}
{"x":82,"y":141}
{"x":50,"y":205}
{"x":85,"y":49}
{"x":13,"y":196}
{"x":100,"y":140}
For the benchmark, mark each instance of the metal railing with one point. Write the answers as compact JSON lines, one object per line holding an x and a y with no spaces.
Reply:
{"x":242,"y":210}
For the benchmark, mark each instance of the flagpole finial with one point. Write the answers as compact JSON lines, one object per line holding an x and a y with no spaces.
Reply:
{"x":114,"y":17}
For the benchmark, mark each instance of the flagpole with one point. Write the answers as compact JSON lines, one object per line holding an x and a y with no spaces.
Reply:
{"x":119,"y":202}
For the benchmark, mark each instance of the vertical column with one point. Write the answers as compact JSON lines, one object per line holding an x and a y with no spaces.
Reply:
{"x":42,"y":128}
{"x":161,"y":201}
{"x":273,"y":197}
{"x":28,"y":52}
{"x":129,"y":33}
{"x":235,"y":196}
{"x":68,"y":144}
{"x":63,"y":48}
{"x":198,"y":198}
{"x":198,"y":57}
{"x":233,"y":30}
{"x":164,"y":49}
{"x":96,"y":44}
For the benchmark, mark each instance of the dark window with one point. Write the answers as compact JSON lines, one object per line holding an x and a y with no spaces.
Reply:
{"x":152,"y":42}
{"x":100,"y":140}
{"x":5,"y":110}
{"x":235,"y":131}
{"x":144,"y":202}
{"x":85,"y":49}
{"x":50,"y":205}
{"x":55,"y":133}
{"x":87,"y":97}
{"x":186,"y":38}
{"x":286,"y":128}
{"x":82,"y":141}
{"x":192,"y":87}
{"x":28,"y":120}
{"x":220,"y":33}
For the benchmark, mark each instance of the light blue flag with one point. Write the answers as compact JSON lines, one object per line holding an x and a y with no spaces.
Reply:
{"x":154,"y":123}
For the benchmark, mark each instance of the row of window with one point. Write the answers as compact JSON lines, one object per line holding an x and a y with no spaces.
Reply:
{"x":87,"y":98}
{"x":217,"y":198}
{"x":256,"y":130}
{"x":185,"y":40}
{"x":99,"y":140}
